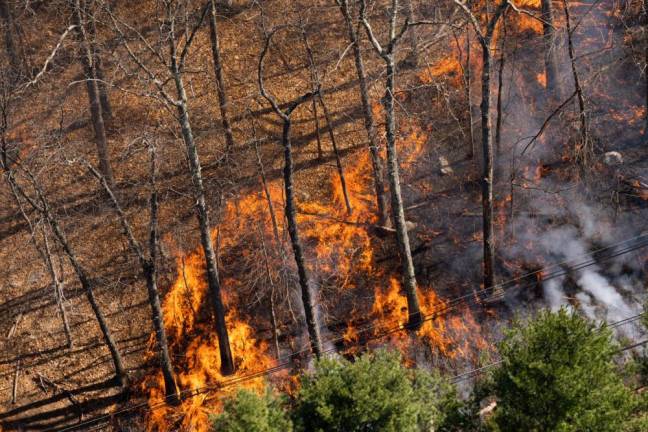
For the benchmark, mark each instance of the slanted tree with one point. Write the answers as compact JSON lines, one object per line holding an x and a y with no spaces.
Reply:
{"x":369,"y":123}
{"x":174,"y":63}
{"x":96,"y":112}
{"x":388,"y":54}
{"x":373,"y":393}
{"x":558,"y":374}
{"x":41,"y":205}
{"x":308,"y":300}
{"x":148,"y":263}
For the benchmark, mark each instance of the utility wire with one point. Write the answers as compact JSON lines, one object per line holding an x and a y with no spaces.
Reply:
{"x":633,"y":244}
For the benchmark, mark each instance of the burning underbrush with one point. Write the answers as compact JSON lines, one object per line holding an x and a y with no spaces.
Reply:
{"x":259,"y":283}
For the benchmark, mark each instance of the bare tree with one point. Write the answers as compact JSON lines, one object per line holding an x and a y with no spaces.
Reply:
{"x":10,"y":43}
{"x":583,"y":148}
{"x":315,"y":78}
{"x":370,"y":125}
{"x":307,"y":296}
{"x":148,"y":264}
{"x":485,"y":39}
{"x":42,"y":247}
{"x":102,"y":85}
{"x":174,"y":63}
{"x":218,"y":72}
{"x":96,"y":111}
{"x":388,"y":53}
{"x":41,"y":205}
{"x":551,"y":65}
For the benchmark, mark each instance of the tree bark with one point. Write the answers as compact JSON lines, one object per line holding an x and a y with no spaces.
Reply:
{"x":582,"y":151}
{"x":220,"y":82}
{"x":148,"y":265}
{"x":336,"y":153}
{"x":227,"y":361}
{"x":551,"y":65}
{"x":46,"y":256}
{"x":487,"y":174}
{"x":413,"y":58}
{"x":398,"y":213}
{"x":308,"y":301}
{"x":369,"y":123}
{"x":10,"y":43}
{"x":92,"y":89}
{"x":293,"y":231}
{"x":106,"y":109}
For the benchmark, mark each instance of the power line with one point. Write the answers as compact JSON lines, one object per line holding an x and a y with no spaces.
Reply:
{"x":500,"y":289}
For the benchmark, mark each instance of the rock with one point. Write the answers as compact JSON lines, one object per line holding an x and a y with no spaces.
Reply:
{"x":612,"y":158}
{"x":446,"y":169}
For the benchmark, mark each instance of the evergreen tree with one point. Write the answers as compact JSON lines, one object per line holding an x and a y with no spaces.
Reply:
{"x":248,"y":412}
{"x":558,"y":375}
{"x":374,"y":393}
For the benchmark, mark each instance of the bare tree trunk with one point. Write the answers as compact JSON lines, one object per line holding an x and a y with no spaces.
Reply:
{"x":307,"y":297}
{"x":93,"y":96}
{"x":318,"y":134}
{"x":106,"y":109}
{"x":398,"y":212}
{"x":487,"y":175}
{"x":266,"y":191}
{"x":316,"y":85}
{"x":551,"y":65}
{"x":500,"y":85}
{"x":336,"y":153}
{"x":369,"y":123}
{"x":220,"y":82}
{"x":82,"y":274}
{"x":10,"y":43}
{"x":291,"y":216}
{"x":227,"y":361}
{"x":58,"y":287}
{"x":582,"y":151}
{"x":148,"y":265}
{"x":413,"y":57}
{"x":273,"y":317}
{"x":468,"y":79}
{"x":46,"y":256}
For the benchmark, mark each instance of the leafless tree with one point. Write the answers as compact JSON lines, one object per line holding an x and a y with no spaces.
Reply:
{"x":388,"y":53}
{"x":174,"y":62}
{"x":307,"y":296}
{"x":485,"y":39}
{"x":551,"y":65}
{"x":96,"y":111}
{"x":583,"y":148}
{"x":148,"y":264}
{"x":41,"y":205}
{"x":220,"y":81}
{"x":369,"y":123}
{"x":9,"y":40}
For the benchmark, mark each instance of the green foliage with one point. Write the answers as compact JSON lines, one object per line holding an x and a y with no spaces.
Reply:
{"x":248,"y":412}
{"x":558,"y":375}
{"x":374,"y":393}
